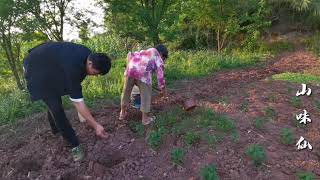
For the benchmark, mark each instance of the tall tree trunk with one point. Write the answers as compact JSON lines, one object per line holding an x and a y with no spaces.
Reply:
{"x":13,"y":67}
{"x":218,"y":40}
{"x":61,"y":23}
{"x":7,"y":46}
{"x":155,"y":37}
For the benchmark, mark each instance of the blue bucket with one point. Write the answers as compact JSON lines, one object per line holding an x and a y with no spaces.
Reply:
{"x":136,"y":101}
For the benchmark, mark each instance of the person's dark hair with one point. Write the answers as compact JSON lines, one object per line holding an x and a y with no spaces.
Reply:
{"x":100,"y":62}
{"x":162,"y":50}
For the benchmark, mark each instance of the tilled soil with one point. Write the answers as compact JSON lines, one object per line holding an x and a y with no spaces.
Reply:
{"x":29,"y":151}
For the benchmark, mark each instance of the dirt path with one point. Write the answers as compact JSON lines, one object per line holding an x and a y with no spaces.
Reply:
{"x":29,"y":151}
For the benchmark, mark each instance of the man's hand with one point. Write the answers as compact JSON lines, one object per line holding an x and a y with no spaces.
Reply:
{"x":100,"y":132}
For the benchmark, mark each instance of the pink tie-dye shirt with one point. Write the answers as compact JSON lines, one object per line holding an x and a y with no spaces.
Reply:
{"x":142,"y":64}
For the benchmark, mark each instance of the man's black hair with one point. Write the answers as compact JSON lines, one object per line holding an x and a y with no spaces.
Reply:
{"x":162,"y":50}
{"x":100,"y":62}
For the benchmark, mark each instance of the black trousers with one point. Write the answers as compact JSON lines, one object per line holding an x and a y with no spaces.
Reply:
{"x":59,"y":122}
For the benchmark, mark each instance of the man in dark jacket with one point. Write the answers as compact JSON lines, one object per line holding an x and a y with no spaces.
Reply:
{"x":55,"y":69}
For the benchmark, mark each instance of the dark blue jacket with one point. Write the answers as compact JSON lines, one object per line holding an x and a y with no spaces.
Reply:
{"x":55,"y":69}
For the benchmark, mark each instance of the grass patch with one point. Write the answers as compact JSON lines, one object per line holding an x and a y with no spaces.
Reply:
{"x":177,"y":156}
{"x":270,"y":113}
{"x":155,"y":139}
{"x":306,"y":176}
{"x":297,"y":78}
{"x":257,"y":154}
{"x":137,"y":128}
{"x":211,"y":139}
{"x":192,"y":127}
{"x":296,"y":102}
{"x":313,"y":44}
{"x":235,"y":136}
{"x":259,"y":123}
{"x":209,"y":172}
{"x":287,"y":136}
{"x":191,"y":138}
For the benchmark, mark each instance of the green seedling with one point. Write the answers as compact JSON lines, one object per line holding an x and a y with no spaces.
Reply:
{"x":209,"y":172}
{"x":177,"y":156}
{"x":257,"y":154}
{"x":287,"y":136}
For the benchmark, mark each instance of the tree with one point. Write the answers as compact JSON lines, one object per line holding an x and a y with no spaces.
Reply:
{"x":11,"y":15}
{"x":84,"y":31}
{"x":141,"y":19}
{"x":221,"y":20}
{"x":49,"y":16}
{"x":306,"y":5}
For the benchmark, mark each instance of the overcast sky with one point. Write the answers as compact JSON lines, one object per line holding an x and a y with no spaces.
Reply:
{"x":72,"y":33}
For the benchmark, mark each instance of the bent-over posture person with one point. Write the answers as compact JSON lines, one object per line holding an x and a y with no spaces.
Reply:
{"x":140,"y":67}
{"x":55,"y":69}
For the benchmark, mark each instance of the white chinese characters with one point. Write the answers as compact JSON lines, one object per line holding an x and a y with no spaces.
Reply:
{"x":303,"y":144}
{"x":303,"y":118}
{"x":304,"y":91}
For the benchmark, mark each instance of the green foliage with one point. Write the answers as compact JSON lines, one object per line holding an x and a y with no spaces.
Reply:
{"x":195,"y":64}
{"x":138,"y":128}
{"x":155,"y":139}
{"x":287,"y":136}
{"x":276,"y":47}
{"x":259,"y":123}
{"x":313,"y":44}
{"x":296,"y":102}
{"x":257,"y":154}
{"x":107,"y":43}
{"x":177,"y":156}
{"x":224,"y":124}
{"x":191,"y":138}
{"x":306,"y":176}
{"x":209,"y":172}
{"x":270,"y":113}
{"x":141,"y":19}
{"x":210,"y":139}
{"x":235,"y":136}
{"x":17,"y":105}
{"x":297,"y":78}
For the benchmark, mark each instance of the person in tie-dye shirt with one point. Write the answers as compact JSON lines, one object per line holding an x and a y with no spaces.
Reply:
{"x":140,"y":67}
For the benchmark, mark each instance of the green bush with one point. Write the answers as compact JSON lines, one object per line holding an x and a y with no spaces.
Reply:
{"x":259,"y":123}
{"x":177,"y":156}
{"x":306,"y":176}
{"x":191,"y":138}
{"x":209,"y":172}
{"x":270,"y":113}
{"x":223,"y":123}
{"x":154,"y":139}
{"x":138,"y":128}
{"x":287,"y":136}
{"x":257,"y":154}
{"x":297,"y":78}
